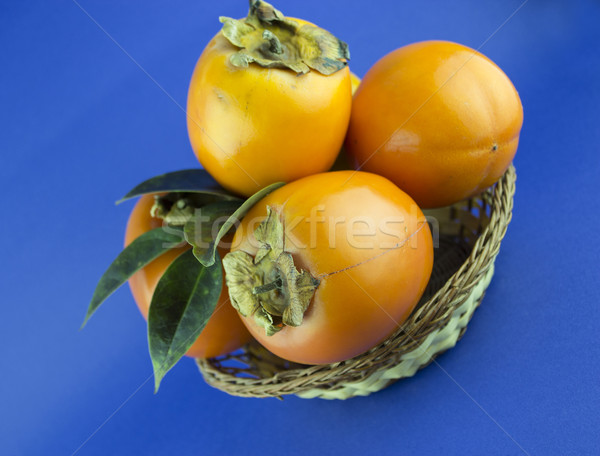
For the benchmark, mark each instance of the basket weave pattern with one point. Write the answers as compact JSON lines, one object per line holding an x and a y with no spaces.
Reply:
{"x":469,"y":240}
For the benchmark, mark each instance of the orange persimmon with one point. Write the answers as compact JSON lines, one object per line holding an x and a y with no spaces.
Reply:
{"x":223,"y":333}
{"x":269,"y":100}
{"x":326,"y":267}
{"x":438,"y":119}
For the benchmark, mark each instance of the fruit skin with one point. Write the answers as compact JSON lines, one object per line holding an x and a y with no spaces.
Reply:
{"x":250,"y":127}
{"x":352,"y":309}
{"x":438,"y":119}
{"x":223,"y":333}
{"x":354,"y":81}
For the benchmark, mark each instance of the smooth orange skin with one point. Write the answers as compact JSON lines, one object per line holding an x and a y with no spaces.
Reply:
{"x":351,"y":310}
{"x":438,"y":119}
{"x":251,"y":127}
{"x":223,"y":333}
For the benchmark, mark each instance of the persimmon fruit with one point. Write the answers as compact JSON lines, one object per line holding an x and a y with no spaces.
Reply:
{"x":438,"y":119}
{"x":224,"y":331}
{"x":269,"y":100}
{"x":324,"y":268}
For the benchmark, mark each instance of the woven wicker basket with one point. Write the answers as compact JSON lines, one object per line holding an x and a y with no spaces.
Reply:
{"x":469,"y":240}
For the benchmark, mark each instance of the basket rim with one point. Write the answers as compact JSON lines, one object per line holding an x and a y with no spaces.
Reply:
{"x":429,"y":315}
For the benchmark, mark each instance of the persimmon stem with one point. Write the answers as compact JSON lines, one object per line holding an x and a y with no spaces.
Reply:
{"x":274,"y":43}
{"x":274,"y":285}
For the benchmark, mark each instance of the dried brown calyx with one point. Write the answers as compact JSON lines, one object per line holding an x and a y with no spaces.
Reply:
{"x":269,"y":39}
{"x":268,"y":286}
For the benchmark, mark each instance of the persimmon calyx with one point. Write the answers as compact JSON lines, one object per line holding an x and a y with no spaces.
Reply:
{"x":174,"y":208}
{"x":269,"y":39}
{"x":268,"y":286}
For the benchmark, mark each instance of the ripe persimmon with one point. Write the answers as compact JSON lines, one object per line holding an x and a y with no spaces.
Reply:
{"x":438,"y":119}
{"x":324,"y":268}
{"x":224,"y":331}
{"x":269,"y":100}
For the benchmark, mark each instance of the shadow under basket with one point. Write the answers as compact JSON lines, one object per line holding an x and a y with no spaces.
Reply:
{"x":469,"y":239}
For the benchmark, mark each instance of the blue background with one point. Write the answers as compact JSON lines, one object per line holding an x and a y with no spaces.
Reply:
{"x":81,"y":123}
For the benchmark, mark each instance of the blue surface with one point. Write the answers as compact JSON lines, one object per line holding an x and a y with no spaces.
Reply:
{"x":81,"y":123}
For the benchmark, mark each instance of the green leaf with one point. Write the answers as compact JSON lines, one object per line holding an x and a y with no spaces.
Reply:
{"x":187,"y":180}
{"x":184,"y":300}
{"x":208,"y":258}
{"x":202,"y":228}
{"x":135,"y":256}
